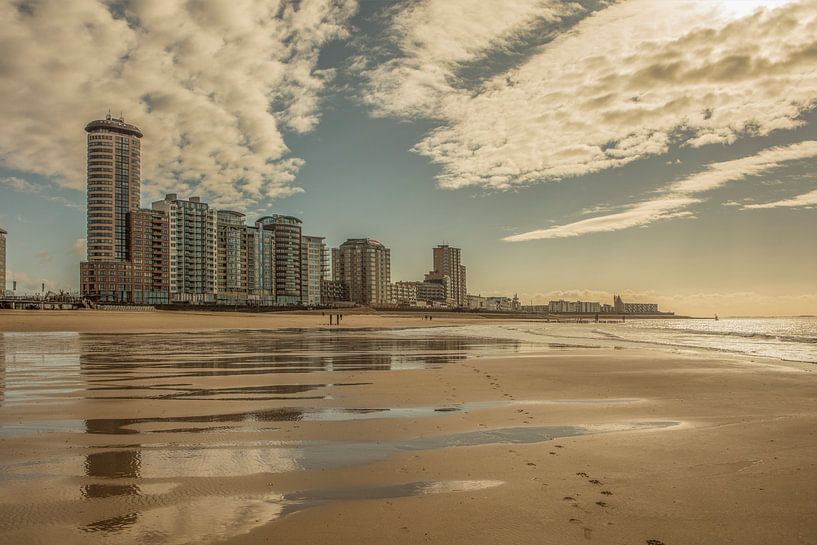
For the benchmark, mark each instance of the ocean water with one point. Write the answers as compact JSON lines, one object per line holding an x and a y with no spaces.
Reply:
{"x":788,"y":339}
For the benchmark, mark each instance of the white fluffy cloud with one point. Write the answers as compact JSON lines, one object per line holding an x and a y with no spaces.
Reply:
{"x":625,"y":82}
{"x":212,"y":84}
{"x":435,"y":37}
{"x":673,"y":200}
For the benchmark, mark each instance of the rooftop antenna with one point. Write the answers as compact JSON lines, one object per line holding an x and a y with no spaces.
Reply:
{"x":108,"y":117}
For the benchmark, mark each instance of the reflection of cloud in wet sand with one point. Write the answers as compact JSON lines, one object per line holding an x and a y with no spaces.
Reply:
{"x":215,"y":518}
{"x":205,"y":519}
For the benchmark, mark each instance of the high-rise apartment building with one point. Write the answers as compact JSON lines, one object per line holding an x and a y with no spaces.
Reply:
{"x":364,"y":266}
{"x":237,"y":251}
{"x":113,"y":177}
{"x":193,"y":246}
{"x":128,"y":248}
{"x":282,"y":273}
{"x":2,"y":261}
{"x":447,"y":262}
{"x":314,"y":268}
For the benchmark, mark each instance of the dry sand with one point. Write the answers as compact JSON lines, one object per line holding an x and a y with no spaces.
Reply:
{"x":739,"y":467}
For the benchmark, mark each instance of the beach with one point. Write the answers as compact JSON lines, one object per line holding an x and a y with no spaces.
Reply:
{"x":190,"y":428}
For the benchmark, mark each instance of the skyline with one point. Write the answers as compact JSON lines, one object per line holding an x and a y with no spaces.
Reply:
{"x":679,"y":194}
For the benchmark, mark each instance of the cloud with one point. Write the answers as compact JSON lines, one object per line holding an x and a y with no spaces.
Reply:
{"x":23,"y":186}
{"x":213,"y":85}
{"x":435,"y":38}
{"x":625,"y":82}
{"x":805,"y":200}
{"x":80,"y":248}
{"x":640,"y":214}
{"x":673,"y":200}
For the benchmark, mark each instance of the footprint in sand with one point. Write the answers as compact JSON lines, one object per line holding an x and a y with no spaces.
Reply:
{"x":606,"y":492}
{"x":594,"y":481}
{"x":582,"y":474}
{"x":655,"y":542}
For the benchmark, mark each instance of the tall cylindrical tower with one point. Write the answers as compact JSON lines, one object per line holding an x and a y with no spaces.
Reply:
{"x":114,"y":152}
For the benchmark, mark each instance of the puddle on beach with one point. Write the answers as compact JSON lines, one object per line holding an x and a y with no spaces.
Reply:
{"x":253,"y":421}
{"x":237,"y":458}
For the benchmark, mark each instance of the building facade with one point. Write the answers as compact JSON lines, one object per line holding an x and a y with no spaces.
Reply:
{"x":403,"y":293}
{"x":333,"y":291}
{"x":477,"y":302}
{"x":113,"y":180}
{"x":574,"y":307}
{"x":314,"y":268}
{"x":193,"y":247}
{"x":236,"y":262}
{"x":438,"y":288}
{"x":447,"y":261}
{"x":144,"y":278}
{"x":620,"y":307}
{"x":281,"y":264}
{"x":364,"y":266}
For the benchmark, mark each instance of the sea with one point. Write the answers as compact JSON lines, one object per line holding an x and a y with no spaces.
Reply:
{"x":787,"y":339}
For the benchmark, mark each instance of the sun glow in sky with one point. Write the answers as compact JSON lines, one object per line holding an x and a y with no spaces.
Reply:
{"x":665,"y":150}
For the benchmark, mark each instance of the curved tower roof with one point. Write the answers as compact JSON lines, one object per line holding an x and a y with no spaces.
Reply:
{"x":115,"y":125}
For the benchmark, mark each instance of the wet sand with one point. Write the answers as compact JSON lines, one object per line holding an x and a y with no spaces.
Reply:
{"x":112,"y":321}
{"x":363,"y":437}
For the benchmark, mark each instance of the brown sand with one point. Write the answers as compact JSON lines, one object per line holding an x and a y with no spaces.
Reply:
{"x":112,"y":321}
{"x":741,"y":467}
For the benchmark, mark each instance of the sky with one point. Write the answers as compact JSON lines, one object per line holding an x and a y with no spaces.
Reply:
{"x":666,"y":151}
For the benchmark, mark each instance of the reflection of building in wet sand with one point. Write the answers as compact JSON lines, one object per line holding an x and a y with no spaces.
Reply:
{"x":3,"y":363}
{"x":104,"y":466}
{"x":36,"y":367}
{"x":179,"y":365}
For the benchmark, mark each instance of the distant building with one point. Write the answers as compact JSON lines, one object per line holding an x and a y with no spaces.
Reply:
{"x":574,"y":307}
{"x":333,"y":291}
{"x":403,"y":293}
{"x":437,"y":287}
{"x":314,"y":268}
{"x":2,"y":261}
{"x":502,"y":304}
{"x":193,"y":248}
{"x":447,"y":263}
{"x":640,"y":308}
{"x":434,"y":292}
{"x":364,"y":266}
{"x":476,"y":302}
{"x":619,"y":306}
